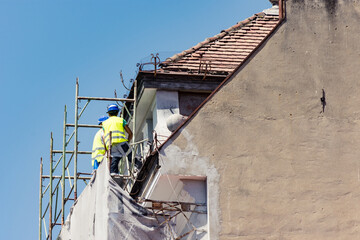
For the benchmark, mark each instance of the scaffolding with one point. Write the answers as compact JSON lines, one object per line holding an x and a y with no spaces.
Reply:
{"x":58,"y":195}
{"x":55,"y":187}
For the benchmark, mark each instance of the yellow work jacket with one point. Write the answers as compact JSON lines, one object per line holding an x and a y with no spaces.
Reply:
{"x":98,"y":150}
{"x":115,"y":125}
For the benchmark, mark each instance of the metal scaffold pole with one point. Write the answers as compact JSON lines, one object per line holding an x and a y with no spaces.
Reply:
{"x":63,"y":171}
{"x":76,"y":137}
{"x":134,"y":127}
{"x":40,"y":199}
{"x":51,"y":187}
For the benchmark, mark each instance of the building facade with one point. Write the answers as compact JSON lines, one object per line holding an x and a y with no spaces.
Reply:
{"x":273,"y":151}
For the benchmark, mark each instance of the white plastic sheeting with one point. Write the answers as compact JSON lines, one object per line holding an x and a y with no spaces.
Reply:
{"x":104,"y":211}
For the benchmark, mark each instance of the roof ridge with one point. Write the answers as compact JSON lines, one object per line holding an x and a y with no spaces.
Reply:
{"x":214,"y":38}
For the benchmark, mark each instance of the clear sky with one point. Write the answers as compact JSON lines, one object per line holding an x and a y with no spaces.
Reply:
{"x":46,"y":44}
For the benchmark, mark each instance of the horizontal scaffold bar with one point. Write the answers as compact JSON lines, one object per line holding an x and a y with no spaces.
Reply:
{"x":171,"y":202}
{"x":83,"y":125}
{"x":79,"y":152}
{"x":107,"y":99}
{"x":72,"y":177}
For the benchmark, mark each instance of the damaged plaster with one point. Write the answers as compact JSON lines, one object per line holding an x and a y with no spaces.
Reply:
{"x":185,"y":160}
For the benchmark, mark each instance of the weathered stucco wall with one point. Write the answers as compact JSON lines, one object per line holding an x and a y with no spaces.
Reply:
{"x":278,"y":167}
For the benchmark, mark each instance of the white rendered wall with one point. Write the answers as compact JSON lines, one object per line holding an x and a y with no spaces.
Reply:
{"x":146,"y":119}
{"x":165,"y":100}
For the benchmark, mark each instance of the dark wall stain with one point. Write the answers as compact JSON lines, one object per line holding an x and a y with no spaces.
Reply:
{"x":298,"y":5}
{"x":331,"y":6}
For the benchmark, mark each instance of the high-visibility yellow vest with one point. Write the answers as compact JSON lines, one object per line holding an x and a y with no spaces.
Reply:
{"x":98,"y":150}
{"x":116,"y":126}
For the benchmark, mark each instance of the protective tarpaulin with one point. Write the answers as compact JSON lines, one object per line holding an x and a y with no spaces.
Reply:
{"x":105,"y":211}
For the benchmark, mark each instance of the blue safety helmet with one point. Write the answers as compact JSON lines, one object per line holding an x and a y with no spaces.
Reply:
{"x":103,"y":118}
{"x":112,"y":107}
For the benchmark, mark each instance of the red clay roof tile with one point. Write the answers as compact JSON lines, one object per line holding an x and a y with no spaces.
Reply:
{"x":222,"y":53}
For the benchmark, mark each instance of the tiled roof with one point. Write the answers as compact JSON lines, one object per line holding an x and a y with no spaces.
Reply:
{"x":221,"y":54}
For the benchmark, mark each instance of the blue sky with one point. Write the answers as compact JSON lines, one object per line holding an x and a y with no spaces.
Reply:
{"x":46,"y":44}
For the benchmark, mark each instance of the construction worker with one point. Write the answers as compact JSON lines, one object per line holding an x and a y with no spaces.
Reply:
{"x":119,"y":142}
{"x":98,"y":150}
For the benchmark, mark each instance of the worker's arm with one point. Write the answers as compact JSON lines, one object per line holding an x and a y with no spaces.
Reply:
{"x":129,"y":132}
